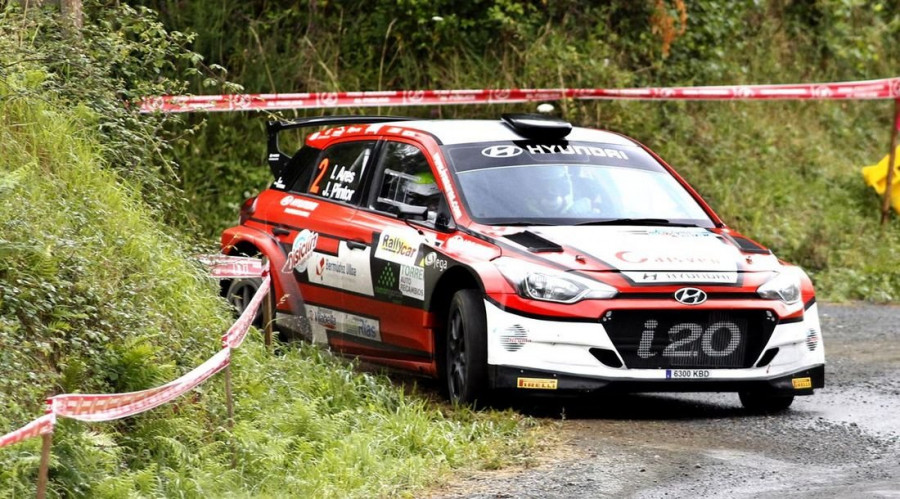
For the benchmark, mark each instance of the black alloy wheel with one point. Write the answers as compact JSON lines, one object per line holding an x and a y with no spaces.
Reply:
{"x":239,"y":294}
{"x":466,"y":362}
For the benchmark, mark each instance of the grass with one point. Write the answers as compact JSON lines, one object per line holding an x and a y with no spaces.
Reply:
{"x":98,"y":295}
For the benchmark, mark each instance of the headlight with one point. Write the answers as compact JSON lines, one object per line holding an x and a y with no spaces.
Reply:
{"x":785,"y":286}
{"x":541,"y":283}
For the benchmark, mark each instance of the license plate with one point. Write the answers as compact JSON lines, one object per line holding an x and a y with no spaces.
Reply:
{"x":687,"y":373}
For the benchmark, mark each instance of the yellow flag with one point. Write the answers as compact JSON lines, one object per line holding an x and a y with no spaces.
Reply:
{"x":876,"y":178}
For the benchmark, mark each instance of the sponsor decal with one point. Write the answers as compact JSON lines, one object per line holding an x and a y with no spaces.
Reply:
{"x":325,"y":317}
{"x":536,"y":383}
{"x":812,"y":340}
{"x":448,"y":185}
{"x":434,"y":261}
{"x":348,"y":271}
{"x":298,"y":206}
{"x":501,"y":151}
{"x":301,"y":251}
{"x":638,"y":257}
{"x":386,"y":285}
{"x":344,"y":322}
{"x":386,"y":279}
{"x":669,"y":277}
{"x":362,"y":327}
{"x":398,"y":247}
{"x":460,"y":244}
{"x":513,"y":338}
{"x":801,"y":383}
{"x":412,"y":281}
{"x":603,"y":152}
{"x":679,"y":234}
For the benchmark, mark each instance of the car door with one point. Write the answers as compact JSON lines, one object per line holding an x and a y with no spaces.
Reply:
{"x":394,"y":223}
{"x":325,"y":263}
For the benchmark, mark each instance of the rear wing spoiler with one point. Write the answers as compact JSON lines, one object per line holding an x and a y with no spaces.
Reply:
{"x":278,"y":159}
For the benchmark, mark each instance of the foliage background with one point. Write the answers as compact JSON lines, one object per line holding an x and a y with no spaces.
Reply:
{"x":101,"y":208}
{"x":785,"y":173}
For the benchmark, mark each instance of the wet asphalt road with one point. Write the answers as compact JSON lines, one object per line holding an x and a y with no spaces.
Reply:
{"x":844,"y":441}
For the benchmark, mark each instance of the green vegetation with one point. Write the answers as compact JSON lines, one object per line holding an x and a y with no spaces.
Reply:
{"x":99,"y":294}
{"x":101,"y":208}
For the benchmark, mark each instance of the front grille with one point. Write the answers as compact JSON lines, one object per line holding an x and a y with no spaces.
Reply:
{"x":712,"y":339}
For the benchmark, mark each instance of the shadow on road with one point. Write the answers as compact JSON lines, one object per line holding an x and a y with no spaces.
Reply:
{"x":644,"y":406}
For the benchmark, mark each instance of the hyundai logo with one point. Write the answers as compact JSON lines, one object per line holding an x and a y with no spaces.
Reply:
{"x":501,"y":151}
{"x":690,"y":296}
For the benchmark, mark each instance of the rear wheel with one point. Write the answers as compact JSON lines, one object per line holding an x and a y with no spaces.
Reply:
{"x":765,"y":403}
{"x":466,"y":349}
{"x":239,"y":294}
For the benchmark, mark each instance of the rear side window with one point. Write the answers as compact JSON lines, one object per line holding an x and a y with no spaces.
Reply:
{"x":338,"y":175}
{"x":299,"y":169}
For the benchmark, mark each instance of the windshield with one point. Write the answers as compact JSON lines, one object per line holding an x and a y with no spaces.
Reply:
{"x":532,"y":186}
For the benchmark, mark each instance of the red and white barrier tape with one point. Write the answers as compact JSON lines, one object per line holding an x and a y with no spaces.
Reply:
{"x":40,"y":426}
{"x":238,"y":331}
{"x":108,"y":407}
{"x":887,"y":88}
{"x":233,"y":267}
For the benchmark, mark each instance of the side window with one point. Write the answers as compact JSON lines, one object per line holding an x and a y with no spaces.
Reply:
{"x":339,"y":173}
{"x":406,"y":181}
{"x":299,"y":169}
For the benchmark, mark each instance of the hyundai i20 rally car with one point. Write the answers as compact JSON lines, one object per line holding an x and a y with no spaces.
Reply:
{"x":522,"y":254}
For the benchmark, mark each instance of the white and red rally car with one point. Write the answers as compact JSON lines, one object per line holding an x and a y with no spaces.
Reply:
{"x":522,"y":254}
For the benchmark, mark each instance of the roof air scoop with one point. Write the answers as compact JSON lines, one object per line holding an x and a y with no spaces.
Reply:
{"x":537,"y":126}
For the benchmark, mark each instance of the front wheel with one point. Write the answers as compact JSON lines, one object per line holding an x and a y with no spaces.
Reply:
{"x":765,"y":403}
{"x":466,"y":349}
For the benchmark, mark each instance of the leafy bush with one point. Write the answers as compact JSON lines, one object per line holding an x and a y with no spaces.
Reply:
{"x":98,"y":294}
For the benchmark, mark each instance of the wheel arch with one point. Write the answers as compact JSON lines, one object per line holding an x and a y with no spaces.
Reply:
{"x":248,"y":241}
{"x":453,"y":279}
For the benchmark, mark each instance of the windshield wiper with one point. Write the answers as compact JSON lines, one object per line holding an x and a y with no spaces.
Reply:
{"x":636,"y":221}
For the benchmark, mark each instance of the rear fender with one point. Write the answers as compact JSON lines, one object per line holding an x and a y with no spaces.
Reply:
{"x":287,"y":293}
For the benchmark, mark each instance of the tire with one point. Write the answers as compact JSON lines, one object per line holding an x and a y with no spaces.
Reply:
{"x":239,"y":294}
{"x":765,"y":403}
{"x":465,"y":365}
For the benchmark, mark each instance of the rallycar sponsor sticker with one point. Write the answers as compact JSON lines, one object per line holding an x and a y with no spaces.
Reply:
{"x":801,"y":383}
{"x":399,"y":246}
{"x":536,"y":383}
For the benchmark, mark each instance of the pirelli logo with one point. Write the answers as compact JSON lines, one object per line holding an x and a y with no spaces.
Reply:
{"x":536,"y":383}
{"x":801,"y":383}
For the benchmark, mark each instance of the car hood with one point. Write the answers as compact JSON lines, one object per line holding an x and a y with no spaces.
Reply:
{"x":638,"y":250}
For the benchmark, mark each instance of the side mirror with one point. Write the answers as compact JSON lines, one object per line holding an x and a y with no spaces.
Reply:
{"x":443,"y":223}
{"x":409,"y":211}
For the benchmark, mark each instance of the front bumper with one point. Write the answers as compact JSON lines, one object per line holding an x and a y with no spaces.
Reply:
{"x":537,"y":355}
{"x":531,"y":380}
